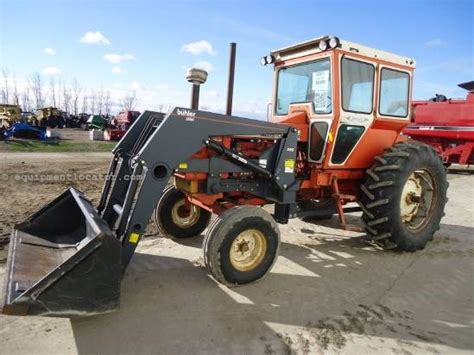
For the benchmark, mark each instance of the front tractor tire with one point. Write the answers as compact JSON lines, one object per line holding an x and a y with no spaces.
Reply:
{"x":176,"y":218}
{"x":403,"y":197}
{"x":241,"y":245}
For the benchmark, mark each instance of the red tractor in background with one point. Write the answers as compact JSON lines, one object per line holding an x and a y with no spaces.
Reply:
{"x":120,"y":124}
{"x":447,"y":125}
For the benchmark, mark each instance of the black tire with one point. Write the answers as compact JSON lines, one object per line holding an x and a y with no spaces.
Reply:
{"x":326,"y":208}
{"x":165,"y":216}
{"x":226,"y":229}
{"x":383,"y":192}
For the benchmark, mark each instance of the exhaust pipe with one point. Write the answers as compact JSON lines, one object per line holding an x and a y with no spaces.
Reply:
{"x":197,"y":77}
{"x":230,"y":82}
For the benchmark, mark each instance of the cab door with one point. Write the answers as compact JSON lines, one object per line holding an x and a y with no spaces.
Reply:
{"x":357,"y":97}
{"x":322,"y":94}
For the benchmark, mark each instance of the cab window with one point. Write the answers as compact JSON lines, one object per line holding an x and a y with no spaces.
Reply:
{"x":357,"y":86}
{"x":319,"y":131}
{"x":347,"y":138}
{"x":394,"y":86}
{"x":306,"y":82}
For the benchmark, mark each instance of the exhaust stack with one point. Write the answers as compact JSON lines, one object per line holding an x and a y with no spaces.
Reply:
{"x":230,"y":83}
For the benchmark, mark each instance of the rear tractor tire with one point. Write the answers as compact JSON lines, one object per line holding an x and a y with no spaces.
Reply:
{"x":241,"y":245}
{"x":177,"y":219}
{"x":403,"y":197}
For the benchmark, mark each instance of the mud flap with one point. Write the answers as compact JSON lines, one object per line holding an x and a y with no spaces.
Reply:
{"x":63,"y":261}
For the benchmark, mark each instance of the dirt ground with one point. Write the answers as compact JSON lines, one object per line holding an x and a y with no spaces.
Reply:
{"x":329,"y":292}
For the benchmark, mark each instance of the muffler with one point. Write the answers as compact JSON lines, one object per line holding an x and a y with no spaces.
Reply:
{"x":63,"y":261}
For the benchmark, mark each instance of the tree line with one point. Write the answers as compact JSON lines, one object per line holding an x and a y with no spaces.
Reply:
{"x":71,"y":97}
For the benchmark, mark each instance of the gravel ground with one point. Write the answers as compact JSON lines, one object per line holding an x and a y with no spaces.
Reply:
{"x":330,"y":291}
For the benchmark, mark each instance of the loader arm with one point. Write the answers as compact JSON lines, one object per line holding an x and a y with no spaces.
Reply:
{"x":152,"y":150}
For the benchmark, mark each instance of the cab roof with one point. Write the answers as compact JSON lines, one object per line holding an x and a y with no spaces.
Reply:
{"x":311,"y":47}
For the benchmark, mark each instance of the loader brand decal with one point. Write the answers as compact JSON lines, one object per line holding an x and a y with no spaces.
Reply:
{"x":289,"y":165}
{"x":133,"y":238}
{"x":190,"y":116}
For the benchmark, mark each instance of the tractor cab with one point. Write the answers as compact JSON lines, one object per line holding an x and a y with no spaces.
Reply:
{"x":340,"y":94}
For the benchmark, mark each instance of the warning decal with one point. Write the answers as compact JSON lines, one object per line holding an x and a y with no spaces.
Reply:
{"x":133,"y":238}
{"x":289,"y":165}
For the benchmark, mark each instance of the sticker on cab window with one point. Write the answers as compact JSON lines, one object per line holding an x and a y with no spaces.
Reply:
{"x":320,"y":88}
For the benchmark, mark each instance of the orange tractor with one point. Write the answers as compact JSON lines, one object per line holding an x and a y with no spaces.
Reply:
{"x":334,"y":137}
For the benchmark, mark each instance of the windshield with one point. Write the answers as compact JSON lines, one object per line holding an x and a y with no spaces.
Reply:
{"x":308,"y":82}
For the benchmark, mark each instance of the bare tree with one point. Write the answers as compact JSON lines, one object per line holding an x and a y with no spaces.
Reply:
{"x":16,"y":94}
{"x":26,"y":100}
{"x":129,"y":101}
{"x":76,"y":92}
{"x":59,"y":95}
{"x":107,"y":103}
{"x":84,"y":103}
{"x":93,"y":102}
{"x":5,"y":87}
{"x":100,"y":100}
{"x":37,"y":89}
{"x":52,"y":92}
{"x":66,"y":98}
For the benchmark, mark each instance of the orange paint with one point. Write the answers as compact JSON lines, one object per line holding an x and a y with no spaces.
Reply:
{"x":316,"y":179}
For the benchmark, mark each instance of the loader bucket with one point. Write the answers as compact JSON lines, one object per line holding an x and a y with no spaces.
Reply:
{"x":63,"y":261}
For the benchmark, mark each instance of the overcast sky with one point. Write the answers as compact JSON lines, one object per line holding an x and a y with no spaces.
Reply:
{"x":147,"y":45}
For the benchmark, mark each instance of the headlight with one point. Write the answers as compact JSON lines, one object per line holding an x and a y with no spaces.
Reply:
{"x":333,"y":42}
{"x":323,"y":45}
{"x":268,"y":59}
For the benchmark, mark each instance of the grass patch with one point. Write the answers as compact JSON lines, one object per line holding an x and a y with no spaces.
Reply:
{"x":20,"y":145}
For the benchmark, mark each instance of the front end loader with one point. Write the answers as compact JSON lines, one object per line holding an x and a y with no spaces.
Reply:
{"x":333,"y":138}
{"x":68,"y":258}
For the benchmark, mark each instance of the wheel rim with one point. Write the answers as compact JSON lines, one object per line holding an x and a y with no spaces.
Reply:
{"x":248,"y":250}
{"x":185,"y":216}
{"x":417,"y":199}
